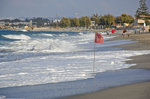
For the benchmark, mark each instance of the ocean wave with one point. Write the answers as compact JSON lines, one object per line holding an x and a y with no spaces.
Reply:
{"x":47,"y":34}
{"x":41,"y":45}
{"x":61,"y":68}
{"x":21,"y":36}
{"x":63,"y":34}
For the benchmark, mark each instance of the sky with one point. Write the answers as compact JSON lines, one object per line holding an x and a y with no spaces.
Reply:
{"x":67,"y":8}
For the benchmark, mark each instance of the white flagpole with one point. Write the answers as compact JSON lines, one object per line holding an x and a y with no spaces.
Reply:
{"x":100,"y":41}
{"x":94,"y":59}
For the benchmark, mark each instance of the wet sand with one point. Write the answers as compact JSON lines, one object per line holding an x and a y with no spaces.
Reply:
{"x":132,"y":91}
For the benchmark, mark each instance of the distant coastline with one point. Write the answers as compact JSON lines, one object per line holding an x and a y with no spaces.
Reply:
{"x":56,"y":29}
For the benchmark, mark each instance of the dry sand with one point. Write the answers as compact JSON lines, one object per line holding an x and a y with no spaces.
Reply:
{"x":143,"y":41}
{"x":133,"y":91}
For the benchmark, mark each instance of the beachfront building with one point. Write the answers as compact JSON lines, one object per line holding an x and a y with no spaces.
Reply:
{"x":143,"y":16}
{"x":2,"y":23}
{"x":144,"y":21}
{"x":14,"y":24}
{"x":141,"y":22}
{"x":92,"y":23}
{"x":56,"y":20}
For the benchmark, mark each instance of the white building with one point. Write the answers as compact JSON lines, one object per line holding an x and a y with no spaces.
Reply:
{"x":92,"y":23}
{"x":141,"y":22}
{"x":56,"y":20}
{"x":2,"y":23}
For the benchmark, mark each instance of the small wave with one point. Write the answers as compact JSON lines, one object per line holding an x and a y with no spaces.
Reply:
{"x":22,"y":37}
{"x":63,"y":34}
{"x":47,"y":35}
{"x":2,"y":97}
{"x":10,"y":75}
{"x":81,"y":33}
{"x":24,"y":30}
{"x":41,"y":45}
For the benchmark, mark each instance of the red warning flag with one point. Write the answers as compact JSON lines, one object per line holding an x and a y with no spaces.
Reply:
{"x":99,"y":38}
{"x":113,"y":30}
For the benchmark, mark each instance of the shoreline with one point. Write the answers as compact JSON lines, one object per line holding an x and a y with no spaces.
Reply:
{"x":130,"y":91}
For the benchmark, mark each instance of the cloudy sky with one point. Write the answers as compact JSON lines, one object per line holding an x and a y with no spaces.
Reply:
{"x":68,"y":8}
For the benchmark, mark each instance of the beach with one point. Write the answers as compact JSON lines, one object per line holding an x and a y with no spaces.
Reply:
{"x":52,"y":64}
{"x":63,"y":49}
{"x":132,"y":91}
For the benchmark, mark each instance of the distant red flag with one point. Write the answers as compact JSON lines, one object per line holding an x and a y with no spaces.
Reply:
{"x":99,"y":38}
{"x":113,"y":30}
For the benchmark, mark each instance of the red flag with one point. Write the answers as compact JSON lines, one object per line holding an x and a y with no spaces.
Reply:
{"x":99,"y":38}
{"x":113,"y":31}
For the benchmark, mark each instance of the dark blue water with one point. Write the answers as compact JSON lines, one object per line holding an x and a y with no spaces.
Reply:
{"x":32,"y":33}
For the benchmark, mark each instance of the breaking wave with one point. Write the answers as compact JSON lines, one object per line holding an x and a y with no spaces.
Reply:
{"x":41,"y":45}
{"x":21,"y":36}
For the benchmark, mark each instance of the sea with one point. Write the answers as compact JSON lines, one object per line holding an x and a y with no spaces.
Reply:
{"x":54,"y":64}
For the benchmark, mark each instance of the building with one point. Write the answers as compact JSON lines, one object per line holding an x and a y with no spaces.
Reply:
{"x":141,"y":22}
{"x":2,"y":23}
{"x":56,"y":20}
{"x":92,"y":23}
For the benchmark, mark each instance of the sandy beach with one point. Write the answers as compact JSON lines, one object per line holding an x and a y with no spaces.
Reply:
{"x":132,"y":91}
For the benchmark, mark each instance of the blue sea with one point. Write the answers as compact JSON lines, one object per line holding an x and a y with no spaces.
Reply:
{"x":39,"y":64}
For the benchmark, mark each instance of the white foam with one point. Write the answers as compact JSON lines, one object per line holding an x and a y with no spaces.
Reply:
{"x":81,"y":33}
{"x":63,"y":34}
{"x":60,"y":68}
{"x":76,"y":64}
{"x":2,"y":97}
{"x":24,"y":30}
{"x":56,"y":44}
{"x":21,"y":36}
{"x":48,"y":35}
{"x":41,"y":45}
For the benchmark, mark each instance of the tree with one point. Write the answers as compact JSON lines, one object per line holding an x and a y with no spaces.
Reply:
{"x":40,"y":21}
{"x":130,"y":19}
{"x":107,"y":20}
{"x":85,"y":21}
{"x":143,"y":9}
{"x":101,"y":20}
{"x":27,"y":20}
{"x":95,"y":18}
{"x":16,"y":20}
{"x":65,"y":22}
{"x":119,"y":20}
{"x":124,"y":18}
{"x":88,"y":21}
{"x":75,"y":22}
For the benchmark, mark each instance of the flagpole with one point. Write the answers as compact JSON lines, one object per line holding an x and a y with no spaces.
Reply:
{"x":98,"y":39}
{"x":94,"y":59}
